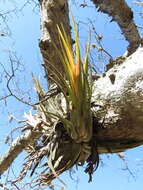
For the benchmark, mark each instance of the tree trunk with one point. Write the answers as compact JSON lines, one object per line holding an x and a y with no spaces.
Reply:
{"x":53,"y":13}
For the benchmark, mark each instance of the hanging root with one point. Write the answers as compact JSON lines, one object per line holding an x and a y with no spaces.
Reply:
{"x":92,"y":161}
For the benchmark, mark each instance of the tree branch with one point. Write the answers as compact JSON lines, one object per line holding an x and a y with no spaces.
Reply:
{"x":119,"y":107}
{"x":53,"y":13}
{"x":17,"y":147}
{"x":123,"y":16}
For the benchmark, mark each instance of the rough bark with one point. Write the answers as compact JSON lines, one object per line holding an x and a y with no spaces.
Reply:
{"x":123,"y":16}
{"x":53,"y":13}
{"x":118,"y":97}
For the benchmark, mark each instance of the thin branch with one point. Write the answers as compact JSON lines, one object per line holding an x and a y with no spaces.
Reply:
{"x":10,"y":76}
{"x":138,"y":2}
{"x":141,"y":27}
{"x":5,"y":97}
{"x":98,"y":39}
{"x":122,"y":157}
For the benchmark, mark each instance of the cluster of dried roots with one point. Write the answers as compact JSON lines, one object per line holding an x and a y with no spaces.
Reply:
{"x":55,"y":151}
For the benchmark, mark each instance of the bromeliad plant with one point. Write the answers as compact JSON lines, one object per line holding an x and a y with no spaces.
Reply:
{"x":66,"y":135}
{"x":76,"y":87}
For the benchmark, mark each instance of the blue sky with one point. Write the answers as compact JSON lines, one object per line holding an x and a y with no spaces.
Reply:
{"x":24,"y":38}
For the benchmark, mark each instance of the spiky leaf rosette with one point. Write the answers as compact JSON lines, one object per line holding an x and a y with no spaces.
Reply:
{"x":76,"y":87}
{"x":67,"y":137}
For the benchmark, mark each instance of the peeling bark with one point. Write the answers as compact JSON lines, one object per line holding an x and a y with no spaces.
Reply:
{"x":123,"y":16}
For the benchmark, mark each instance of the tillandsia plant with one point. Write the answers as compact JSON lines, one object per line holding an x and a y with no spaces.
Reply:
{"x":76,"y":87}
{"x":66,"y":133}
